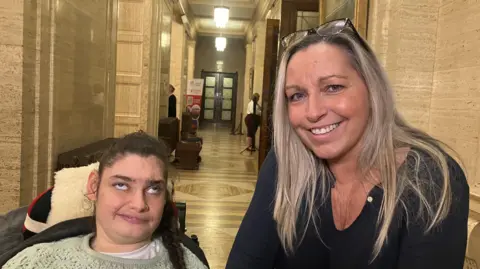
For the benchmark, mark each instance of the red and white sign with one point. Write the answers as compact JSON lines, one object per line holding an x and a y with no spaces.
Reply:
{"x":194,"y":93}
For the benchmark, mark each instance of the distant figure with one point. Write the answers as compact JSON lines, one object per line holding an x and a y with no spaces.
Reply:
{"x":172,"y":103}
{"x":252,"y":120}
{"x":98,"y":98}
{"x":97,"y":109}
{"x":195,"y":112}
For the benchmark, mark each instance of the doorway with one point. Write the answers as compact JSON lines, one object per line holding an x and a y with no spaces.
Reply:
{"x":219,"y":98}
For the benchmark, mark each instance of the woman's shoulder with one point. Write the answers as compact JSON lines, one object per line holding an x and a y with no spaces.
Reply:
{"x":42,"y":254}
{"x":267,"y":175}
{"x":192,"y":261}
{"x":270,"y":161}
{"x":427,"y":172}
{"x":51,"y":247}
{"x":426,"y":164}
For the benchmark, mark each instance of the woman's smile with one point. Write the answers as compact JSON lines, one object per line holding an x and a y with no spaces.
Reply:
{"x":324,"y":134}
{"x":133,"y":220}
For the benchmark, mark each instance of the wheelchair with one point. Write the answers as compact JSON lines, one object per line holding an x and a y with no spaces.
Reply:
{"x":182,"y":216}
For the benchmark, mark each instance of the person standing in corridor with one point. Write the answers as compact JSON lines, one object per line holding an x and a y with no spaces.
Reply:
{"x":252,"y":120}
{"x":172,"y":103}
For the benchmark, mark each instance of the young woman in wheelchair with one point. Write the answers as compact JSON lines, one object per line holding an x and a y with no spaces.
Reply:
{"x":134,"y":224}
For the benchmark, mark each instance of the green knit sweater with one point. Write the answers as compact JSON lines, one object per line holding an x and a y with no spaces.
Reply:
{"x":75,"y":252}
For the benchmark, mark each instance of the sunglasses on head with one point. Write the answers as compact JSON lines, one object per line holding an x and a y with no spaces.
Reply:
{"x":327,"y":29}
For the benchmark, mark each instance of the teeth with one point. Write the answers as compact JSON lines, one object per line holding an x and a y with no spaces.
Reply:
{"x":325,"y":130}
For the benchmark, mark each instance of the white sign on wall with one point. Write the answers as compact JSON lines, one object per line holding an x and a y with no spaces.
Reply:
{"x":195,"y":87}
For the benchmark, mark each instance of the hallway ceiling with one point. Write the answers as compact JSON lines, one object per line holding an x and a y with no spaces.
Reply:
{"x":241,"y":13}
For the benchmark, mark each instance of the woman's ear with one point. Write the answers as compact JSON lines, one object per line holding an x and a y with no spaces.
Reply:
{"x":92,"y":185}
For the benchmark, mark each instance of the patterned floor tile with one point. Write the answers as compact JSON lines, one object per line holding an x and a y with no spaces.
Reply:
{"x":218,"y":194}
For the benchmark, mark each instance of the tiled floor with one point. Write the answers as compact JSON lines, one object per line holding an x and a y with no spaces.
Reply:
{"x":219,"y":193}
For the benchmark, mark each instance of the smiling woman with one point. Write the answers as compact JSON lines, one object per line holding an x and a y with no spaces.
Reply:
{"x":349,"y":184}
{"x":135,"y":225}
{"x":333,"y":86}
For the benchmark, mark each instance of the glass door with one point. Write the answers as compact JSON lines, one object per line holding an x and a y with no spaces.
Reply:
{"x":210,"y":94}
{"x":219,"y":98}
{"x":226,"y":98}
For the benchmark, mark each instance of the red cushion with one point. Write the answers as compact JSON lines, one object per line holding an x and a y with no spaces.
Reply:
{"x":37,"y":215}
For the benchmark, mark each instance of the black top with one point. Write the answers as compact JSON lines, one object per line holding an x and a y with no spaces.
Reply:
{"x":257,"y":243}
{"x":172,"y":106}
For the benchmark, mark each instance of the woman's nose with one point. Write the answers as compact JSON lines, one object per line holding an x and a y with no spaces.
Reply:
{"x":316,"y":107}
{"x":139,"y":201}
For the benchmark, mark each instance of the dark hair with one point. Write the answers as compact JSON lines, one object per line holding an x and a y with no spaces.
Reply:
{"x":142,"y":144}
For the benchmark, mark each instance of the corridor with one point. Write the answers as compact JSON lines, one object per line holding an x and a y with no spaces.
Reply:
{"x":218,"y":194}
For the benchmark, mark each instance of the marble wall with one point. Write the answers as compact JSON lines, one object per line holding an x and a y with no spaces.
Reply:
{"x":165,"y":57}
{"x":260,"y":30}
{"x":56,"y":88}
{"x":256,"y":38}
{"x":455,"y":103}
{"x":430,"y":53}
{"x":81,"y":69}
{"x":143,"y":65}
{"x":11,"y":57}
{"x":191,"y":59}
{"x":247,"y":81}
{"x":406,"y":46}
{"x":177,"y":64}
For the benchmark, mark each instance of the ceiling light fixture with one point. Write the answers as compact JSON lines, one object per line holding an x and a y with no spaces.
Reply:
{"x":220,"y":16}
{"x":220,"y":43}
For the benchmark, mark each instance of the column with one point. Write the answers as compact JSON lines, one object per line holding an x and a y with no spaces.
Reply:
{"x":11,"y":55}
{"x":321,"y":11}
{"x":261,"y":28}
{"x":143,"y":64}
{"x":191,"y":59}
{"x":177,"y":60}
{"x":246,"y":93}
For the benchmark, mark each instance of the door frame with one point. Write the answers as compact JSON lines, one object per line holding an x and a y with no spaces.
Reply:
{"x":232,"y":121}
{"x":270,"y":64}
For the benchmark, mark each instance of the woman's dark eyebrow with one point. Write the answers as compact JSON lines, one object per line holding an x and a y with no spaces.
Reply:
{"x":125,"y":178}
{"x":160,"y":181}
{"x":153,"y":182}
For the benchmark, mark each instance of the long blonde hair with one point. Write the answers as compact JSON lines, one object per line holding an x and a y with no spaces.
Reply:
{"x":302,"y":178}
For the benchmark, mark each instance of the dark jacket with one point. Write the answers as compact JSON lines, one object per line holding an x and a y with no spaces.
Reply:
{"x":172,"y":106}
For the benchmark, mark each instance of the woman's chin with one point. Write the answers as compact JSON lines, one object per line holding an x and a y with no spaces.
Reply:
{"x":330,"y":151}
{"x":326,"y":154}
{"x":134,"y":234}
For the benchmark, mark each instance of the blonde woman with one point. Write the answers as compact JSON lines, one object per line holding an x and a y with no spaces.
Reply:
{"x":350,"y":185}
